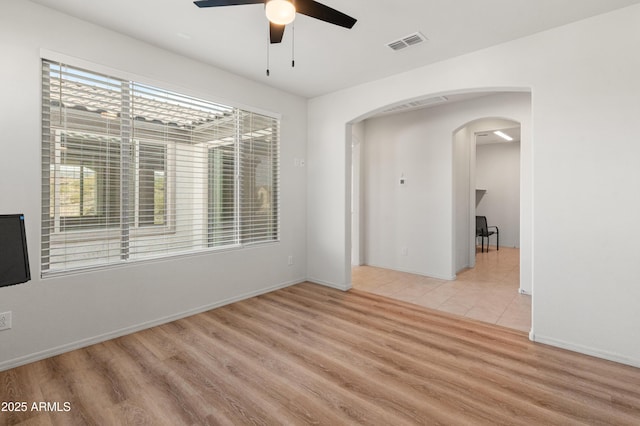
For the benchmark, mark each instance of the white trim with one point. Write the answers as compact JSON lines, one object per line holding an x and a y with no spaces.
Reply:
{"x":523,"y":291}
{"x":409,"y":271}
{"x":343,"y":287}
{"x":48,"y":353}
{"x":126,"y":75}
{"x":586,"y":350}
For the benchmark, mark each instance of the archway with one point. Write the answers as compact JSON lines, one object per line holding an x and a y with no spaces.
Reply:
{"x":492,"y":104}
{"x":469,"y":192}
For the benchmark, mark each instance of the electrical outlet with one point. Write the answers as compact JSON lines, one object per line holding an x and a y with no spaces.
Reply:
{"x":5,"y":320}
{"x":290,"y":261}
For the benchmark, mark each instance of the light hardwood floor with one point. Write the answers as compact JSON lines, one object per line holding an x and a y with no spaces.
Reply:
{"x":313,"y":355}
{"x":488,"y":292}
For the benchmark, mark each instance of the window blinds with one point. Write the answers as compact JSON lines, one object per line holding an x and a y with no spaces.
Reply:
{"x":131,"y":172}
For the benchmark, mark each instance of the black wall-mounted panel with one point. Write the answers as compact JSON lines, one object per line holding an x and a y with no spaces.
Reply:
{"x":14,"y":259}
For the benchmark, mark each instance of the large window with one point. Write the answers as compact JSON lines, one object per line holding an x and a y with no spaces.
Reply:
{"x":133,"y":172}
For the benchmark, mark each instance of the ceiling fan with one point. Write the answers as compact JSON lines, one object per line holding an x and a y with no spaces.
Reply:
{"x":282,"y":12}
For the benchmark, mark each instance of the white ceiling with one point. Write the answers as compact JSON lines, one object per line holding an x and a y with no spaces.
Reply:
{"x":329,"y":57}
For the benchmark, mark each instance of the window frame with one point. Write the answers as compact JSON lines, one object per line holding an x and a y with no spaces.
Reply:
{"x":55,"y":235}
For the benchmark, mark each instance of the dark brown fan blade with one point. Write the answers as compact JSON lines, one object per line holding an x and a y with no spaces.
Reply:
{"x":276,"y":32}
{"x":216,"y":3}
{"x":324,"y":13}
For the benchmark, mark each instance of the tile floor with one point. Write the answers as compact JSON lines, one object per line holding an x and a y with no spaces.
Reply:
{"x":488,"y":292}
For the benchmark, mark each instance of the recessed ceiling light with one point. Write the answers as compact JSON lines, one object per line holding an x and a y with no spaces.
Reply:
{"x":503,"y":135}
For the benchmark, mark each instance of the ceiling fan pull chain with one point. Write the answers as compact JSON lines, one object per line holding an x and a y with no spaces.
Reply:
{"x":293,"y":45}
{"x":268,"y":45}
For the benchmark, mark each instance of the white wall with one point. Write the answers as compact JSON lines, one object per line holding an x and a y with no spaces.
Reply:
{"x":463,"y":229}
{"x":498,"y":171}
{"x":580,"y":174}
{"x":357,"y":224}
{"x":410,"y":227}
{"x":58,"y":314}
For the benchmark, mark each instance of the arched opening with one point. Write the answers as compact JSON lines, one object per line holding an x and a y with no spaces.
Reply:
{"x":394,"y":194}
{"x":499,"y":168}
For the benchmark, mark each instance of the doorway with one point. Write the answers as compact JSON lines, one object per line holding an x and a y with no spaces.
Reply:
{"x":497,"y":182}
{"x":487,"y":165}
{"x":486,"y":182}
{"x":400,"y":258}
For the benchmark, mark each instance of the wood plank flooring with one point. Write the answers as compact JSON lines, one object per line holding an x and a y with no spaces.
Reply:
{"x":312,"y":355}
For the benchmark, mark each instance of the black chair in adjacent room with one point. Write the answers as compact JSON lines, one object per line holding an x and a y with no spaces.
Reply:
{"x":482,"y":231}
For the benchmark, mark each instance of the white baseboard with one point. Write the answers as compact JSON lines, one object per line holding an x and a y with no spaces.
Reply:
{"x":409,"y":271}
{"x":48,"y":353}
{"x":343,"y":287}
{"x":586,"y":350}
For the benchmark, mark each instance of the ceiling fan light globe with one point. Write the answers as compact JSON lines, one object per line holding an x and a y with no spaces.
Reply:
{"x":280,"y":12}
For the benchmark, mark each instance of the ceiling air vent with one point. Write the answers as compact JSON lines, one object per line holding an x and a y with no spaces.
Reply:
{"x":420,"y":103}
{"x":410,"y":40}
